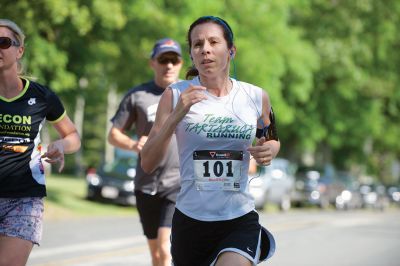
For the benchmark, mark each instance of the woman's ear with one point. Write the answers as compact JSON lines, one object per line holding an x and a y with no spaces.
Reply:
{"x":232,"y":52}
{"x":20,"y":53}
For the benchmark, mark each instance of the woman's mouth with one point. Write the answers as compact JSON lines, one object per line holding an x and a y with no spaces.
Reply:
{"x":206,"y":61}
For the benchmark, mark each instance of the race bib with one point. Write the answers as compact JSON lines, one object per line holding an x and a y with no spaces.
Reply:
{"x":218,"y":169}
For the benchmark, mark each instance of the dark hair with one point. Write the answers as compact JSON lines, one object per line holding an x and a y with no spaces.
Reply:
{"x":228,"y":36}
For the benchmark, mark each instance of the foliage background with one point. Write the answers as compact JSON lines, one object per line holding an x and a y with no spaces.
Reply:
{"x":331,"y":67}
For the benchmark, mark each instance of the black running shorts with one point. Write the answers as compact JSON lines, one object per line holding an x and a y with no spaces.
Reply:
{"x":155,"y":211}
{"x":200,"y":243}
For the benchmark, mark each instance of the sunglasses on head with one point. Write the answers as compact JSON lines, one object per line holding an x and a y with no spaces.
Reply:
{"x":6,"y":42}
{"x":166,"y":60}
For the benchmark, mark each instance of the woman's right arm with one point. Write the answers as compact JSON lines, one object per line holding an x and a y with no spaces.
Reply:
{"x":167,"y":118}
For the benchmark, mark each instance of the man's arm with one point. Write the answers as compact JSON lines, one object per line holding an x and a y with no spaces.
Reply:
{"x":118,"y":138}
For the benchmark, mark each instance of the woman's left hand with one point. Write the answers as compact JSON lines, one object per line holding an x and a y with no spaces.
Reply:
{"x":55,"y":154}
{"x":262,"y":152}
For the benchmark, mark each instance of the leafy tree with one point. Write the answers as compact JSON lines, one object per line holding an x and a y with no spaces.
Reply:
{"x":355,"y":88}
{"x":330,"y":67}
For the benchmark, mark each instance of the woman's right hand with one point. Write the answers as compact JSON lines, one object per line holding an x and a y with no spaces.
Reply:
{"x":192,"y":95}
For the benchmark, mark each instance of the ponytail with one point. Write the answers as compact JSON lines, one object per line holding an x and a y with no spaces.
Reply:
{"x":192,"y":72}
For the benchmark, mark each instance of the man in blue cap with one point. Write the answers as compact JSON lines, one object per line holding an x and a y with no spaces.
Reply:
{"x":156,"y":192}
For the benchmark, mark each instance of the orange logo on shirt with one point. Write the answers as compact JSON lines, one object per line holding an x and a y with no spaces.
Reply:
{"x":20,"y":149}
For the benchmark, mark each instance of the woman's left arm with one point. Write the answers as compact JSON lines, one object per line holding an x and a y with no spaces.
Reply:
{"x":267,"y":146}
{"x":69,"y":142}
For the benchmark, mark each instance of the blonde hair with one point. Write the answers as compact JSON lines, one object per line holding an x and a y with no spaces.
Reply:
{"x":18,"y":34}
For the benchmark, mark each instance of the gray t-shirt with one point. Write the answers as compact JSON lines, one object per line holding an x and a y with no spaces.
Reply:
{"x":137,"y":110}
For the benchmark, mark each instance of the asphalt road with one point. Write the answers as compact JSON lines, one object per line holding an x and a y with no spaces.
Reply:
{"x":304,"y":238}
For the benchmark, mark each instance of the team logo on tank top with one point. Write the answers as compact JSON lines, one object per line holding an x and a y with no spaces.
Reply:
{"x":214,"y":126}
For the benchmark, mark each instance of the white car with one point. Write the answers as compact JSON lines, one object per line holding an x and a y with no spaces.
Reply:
{"x":272,"y":184}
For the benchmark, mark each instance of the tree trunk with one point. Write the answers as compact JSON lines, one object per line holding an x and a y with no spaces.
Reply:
{"x":112,"y":103}
{"x":78,"y":121}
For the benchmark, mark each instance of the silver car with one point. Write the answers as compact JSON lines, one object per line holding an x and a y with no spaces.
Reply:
{"x":272,"y":184}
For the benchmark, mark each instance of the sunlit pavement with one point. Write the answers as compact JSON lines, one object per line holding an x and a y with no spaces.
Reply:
{"x":122,"y":251}
{"x":304,"y":238}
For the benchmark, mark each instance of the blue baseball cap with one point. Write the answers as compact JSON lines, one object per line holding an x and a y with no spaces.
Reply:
{"x":166,"y":45}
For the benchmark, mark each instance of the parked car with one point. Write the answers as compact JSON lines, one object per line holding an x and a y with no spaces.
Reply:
{"x":114,"y":181}
{"x":316,"y":186}
{"x":394,"y":194}
{"x":273,"y":184}
{"x":308,"y":189}
{"x":350,"y":197}
{"x":374,"y":196}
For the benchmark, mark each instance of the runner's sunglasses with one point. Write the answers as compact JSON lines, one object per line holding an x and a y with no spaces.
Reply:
{"x":166,"y":60}
{"x":6,"y":42}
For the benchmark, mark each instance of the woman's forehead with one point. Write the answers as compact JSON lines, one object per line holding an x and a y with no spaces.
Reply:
{"x":207,"y":30}
{"x":5,"y":31}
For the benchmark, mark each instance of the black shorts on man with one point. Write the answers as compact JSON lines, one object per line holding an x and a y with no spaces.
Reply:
{"x":155,"y":211}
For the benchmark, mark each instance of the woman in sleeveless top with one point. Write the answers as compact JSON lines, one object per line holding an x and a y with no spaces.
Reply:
{"x":215,"y":118}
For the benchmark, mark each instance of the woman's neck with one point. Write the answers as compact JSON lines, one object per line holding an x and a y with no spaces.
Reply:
{"x":10,"y":85}
{"x":218,"y":86}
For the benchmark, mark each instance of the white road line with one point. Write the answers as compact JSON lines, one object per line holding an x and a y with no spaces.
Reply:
{"x":353,"y":222}
{"x":126,"y":256}
{"x":101,"y":245}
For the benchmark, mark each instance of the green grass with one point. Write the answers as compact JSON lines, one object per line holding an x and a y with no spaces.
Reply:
{"x":66,"y":199}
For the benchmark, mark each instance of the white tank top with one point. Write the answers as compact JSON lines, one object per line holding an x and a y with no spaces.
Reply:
{"x":212,"y":141}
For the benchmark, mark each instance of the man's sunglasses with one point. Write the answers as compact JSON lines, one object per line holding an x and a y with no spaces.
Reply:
{"x":6,"y":42}
{"x":166,"y":60}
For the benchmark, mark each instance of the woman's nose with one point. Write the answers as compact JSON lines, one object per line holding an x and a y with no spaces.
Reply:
{"x":206,"y":48}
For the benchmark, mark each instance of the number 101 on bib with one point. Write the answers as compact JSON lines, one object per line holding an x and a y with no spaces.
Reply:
{"x":218,"y":169}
